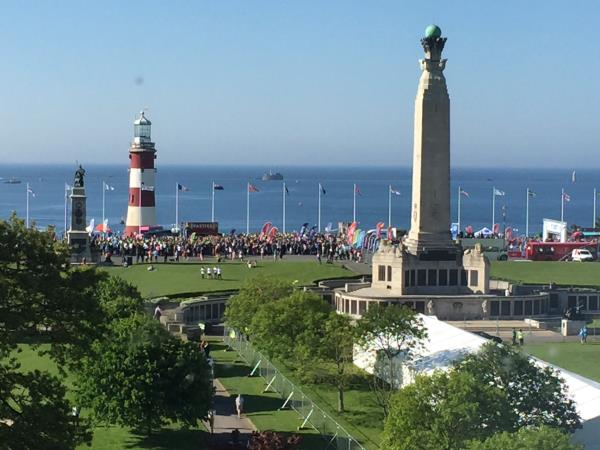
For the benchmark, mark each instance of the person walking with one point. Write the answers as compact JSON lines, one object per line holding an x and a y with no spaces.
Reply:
{"x":239,"y":405}
{"x":202,"y":272}
{"x":520,"y":337}
{"x":583,"y":333}
{"x":514,"y":337}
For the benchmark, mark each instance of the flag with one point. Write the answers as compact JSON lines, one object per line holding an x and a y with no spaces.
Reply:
{"x":329,"y":227}
{"x":218,"y":187}
{"x":30,"y":191}
{"x":287,"y":192}
{"x":566,"y":197}
{"x":252,"y":188}
{"x":350,"y":233}
{"x":322,"y":189}
{"x":508,"y":233}
{"x":303,"y":228}
{"x":272,"y":233}
{"x":465,"y":193}
{"x":390,"y":234}
{"x":395,"y":192}
{"x":265,"y":229}
{"x":531,"y":193}
{"x":379,"y":227}
{"x":357,"y":190}
{"x":499,"y":192}
{"x":108,"y":187}
{"x":147,"y":188}
{"x":496,"y":228}
{"x":181,"y":187}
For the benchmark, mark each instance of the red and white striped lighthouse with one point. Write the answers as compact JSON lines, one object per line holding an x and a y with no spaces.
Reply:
{"x":141,"y":212}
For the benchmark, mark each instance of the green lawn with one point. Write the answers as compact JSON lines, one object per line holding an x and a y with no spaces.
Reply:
{"x":579,"y":358}
{"x":261,"y":408}
{"x":113,"y":437}
{"x":173,"y":278}
{"x":544,"y":272}
{"x":362,"y":419}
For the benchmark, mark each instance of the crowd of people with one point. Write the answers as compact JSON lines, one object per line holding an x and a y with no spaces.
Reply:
{"x":224,"y":247}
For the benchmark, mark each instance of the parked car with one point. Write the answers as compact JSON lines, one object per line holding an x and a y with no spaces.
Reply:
{"x":582,"y":254}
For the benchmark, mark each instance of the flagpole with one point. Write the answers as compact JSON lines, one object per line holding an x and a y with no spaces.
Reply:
{"x":562,"y":205}
{"x":27,"y":208}
{"x":103,"y":204}
{"x":212,"y":207}
{"x":248,"y":208}
{"x":319,"y":210}
{"x":177,"y":206}
{"x":283,"y":221}
{"x":493,"y":207}
{"x":354,"y":204}
{"x":389,"y":205}
{"x":594,"y":220}
{"x":458,"y":215}
{"x":527,"y":215}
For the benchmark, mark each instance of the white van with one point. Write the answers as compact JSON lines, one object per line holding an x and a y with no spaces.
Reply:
{"x":582,"y":254}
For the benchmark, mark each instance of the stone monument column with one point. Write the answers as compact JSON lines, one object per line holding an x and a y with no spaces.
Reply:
{"x":77,"y":236}
{"x":430,"y":221}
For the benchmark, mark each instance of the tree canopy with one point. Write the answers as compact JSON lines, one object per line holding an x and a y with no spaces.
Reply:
{"x":538,"y":438}
{"x":394,"y":333}
{"x":495,"y":390}
{"x":255,"y":292}
{"x":140,"y":376}
{"x":443,"y":411}
{"x":536,"y":395}
{"x":41,"y":299}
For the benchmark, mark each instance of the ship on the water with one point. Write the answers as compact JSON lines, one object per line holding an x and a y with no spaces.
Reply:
{"x":12,"y":180}
{"x":272,"y":176}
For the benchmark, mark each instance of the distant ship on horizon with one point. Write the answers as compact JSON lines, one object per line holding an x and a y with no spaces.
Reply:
{"x":272,"y":176}
{"x":12,"y":180}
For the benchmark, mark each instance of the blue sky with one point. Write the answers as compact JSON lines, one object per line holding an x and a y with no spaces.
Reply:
{"x":306,"y":82}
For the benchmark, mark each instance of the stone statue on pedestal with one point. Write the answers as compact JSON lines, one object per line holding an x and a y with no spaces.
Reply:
{"x":77,"y":236}
{"x":78,"y":180}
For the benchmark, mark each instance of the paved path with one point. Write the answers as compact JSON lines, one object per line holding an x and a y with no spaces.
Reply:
{"x":226,"y":420}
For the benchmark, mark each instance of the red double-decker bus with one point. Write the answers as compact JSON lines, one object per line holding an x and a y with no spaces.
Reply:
{"x":557,"y":251}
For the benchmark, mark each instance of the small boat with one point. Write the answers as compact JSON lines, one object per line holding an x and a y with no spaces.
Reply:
{"x":12,"y":180}
{"x":270,"y":176}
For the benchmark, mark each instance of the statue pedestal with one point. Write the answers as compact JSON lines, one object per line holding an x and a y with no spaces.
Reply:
{"x":570,"y":327}
{"x":77,"y":236}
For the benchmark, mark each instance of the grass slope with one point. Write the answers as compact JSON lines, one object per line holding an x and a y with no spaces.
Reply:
{"x":573,"y":356}
{"x":173,"y":278}
{"x":544,"y":272}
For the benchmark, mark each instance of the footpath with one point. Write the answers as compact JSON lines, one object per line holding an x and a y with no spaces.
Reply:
{"x":226,"y":421}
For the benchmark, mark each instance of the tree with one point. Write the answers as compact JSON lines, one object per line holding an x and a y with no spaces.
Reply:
{"x":394,"y":332}
{"x":538,"y":438}
{"x":443,"y":411}
{"x":290,"y":327}
{"x":41,"y":298}
{"x":140,"y":376}
{"x":536,"y":395}
{"x":255,"y":292}
{"x":269,"y":440}
{"x":335,"y":346}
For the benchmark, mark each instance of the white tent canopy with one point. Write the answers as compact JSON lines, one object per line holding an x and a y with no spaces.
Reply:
{"x":484,"y":232}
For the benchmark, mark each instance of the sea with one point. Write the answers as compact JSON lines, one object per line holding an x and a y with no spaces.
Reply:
{"x":48,"y":184}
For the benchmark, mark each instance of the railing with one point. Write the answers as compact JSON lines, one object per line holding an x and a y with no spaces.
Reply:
{"x":335,"y":436}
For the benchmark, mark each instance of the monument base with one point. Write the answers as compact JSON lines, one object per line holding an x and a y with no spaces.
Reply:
{"x":79,"y":241}
{"x":570,"y":327}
